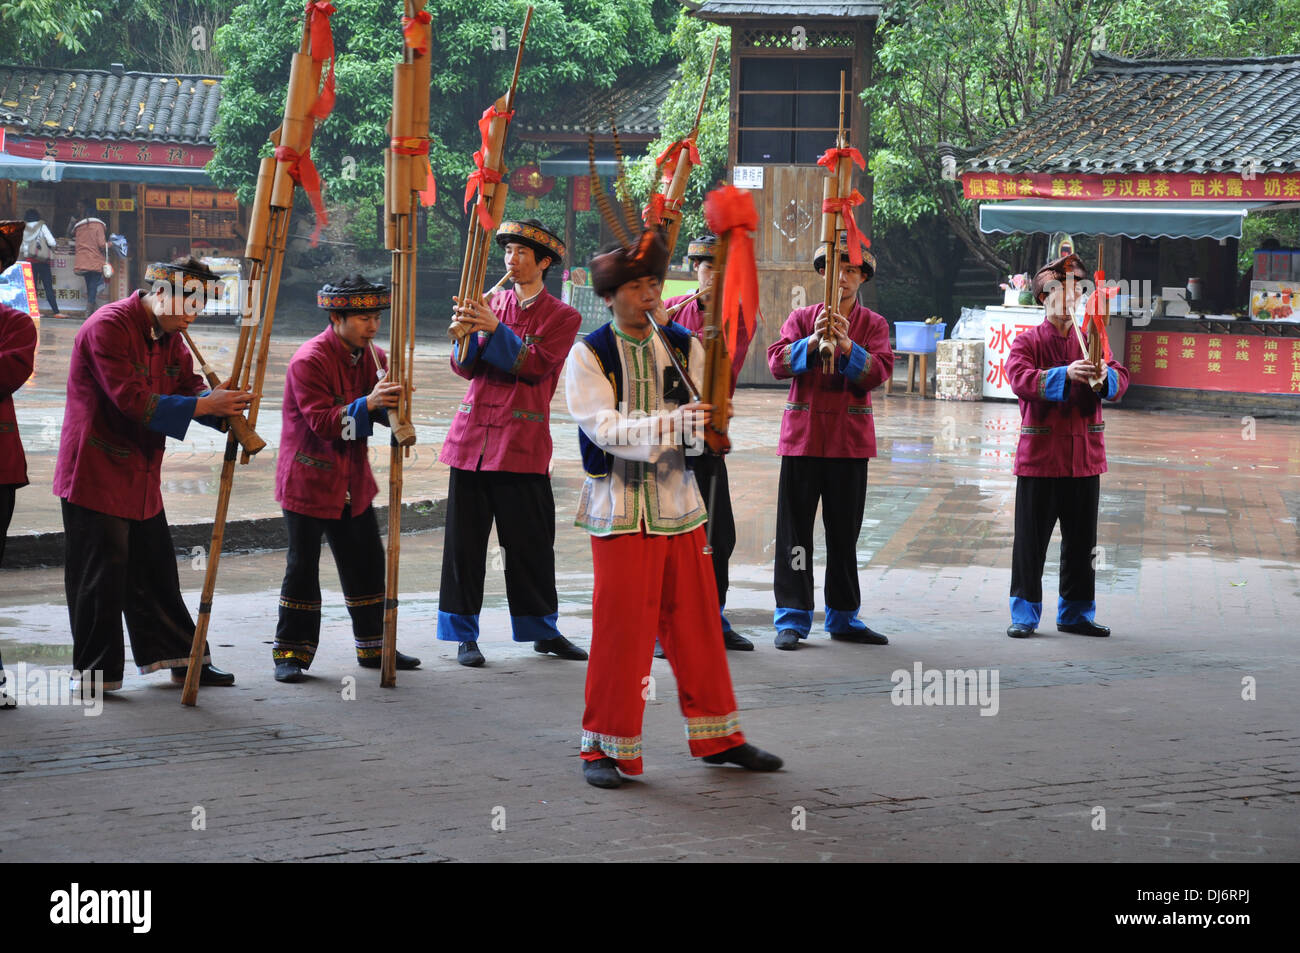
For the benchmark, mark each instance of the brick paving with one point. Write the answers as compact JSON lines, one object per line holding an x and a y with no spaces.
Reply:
{"x":1198,"y":580}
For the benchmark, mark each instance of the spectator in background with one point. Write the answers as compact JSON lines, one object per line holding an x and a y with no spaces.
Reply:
{"x":91,"y":238}
{"x":38,"y":248}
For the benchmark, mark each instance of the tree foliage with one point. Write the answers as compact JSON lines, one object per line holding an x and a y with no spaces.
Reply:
{"x":33,"y":30}
{"x":963,"y":71}
{"x":573,"y":45}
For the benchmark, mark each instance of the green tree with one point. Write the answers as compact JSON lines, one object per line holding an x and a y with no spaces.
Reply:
{"x":573,"y":45}
{"x":32,"y":31}
{"x":692,"y":43}
{"x":963,"y":71}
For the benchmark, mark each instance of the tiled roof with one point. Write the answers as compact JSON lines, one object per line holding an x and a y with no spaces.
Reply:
{"x":634,"y":102}
{"x":768,"y":9}
{"x":1192,"y":116}
{"x":97,"y":104}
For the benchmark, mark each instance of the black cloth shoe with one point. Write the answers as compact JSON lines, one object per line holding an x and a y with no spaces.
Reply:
{"x":404,"y":662}
{"x":7,"y":700}
{"x":602,"y":773}
{"x":659,"y":650}
{"x":208,"y":675}
{"x":468,"y":654}
{"x":562,"y":647}
{"x":1019,"y":630}
{"x":1084,"y":628}
{"x":288,"y":670}
{"x":736,"y":642}
{"x":787,"y":639}
{"x":747,"y":756}
{"x":861,"y":637}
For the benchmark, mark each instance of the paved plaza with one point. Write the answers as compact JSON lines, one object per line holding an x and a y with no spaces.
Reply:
{"x":1177,"y":739}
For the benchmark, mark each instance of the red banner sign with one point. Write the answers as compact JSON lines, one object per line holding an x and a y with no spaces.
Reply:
{"x":1152,"y":187}
{"x":113,"y":153}
{"x":1243,"y":363}
{"x":581,"y":193}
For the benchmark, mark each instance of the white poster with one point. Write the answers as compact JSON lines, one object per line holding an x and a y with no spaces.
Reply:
{"x":1001,"y":327}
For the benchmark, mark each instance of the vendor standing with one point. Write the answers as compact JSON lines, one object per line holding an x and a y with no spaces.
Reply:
{"x":1061,"y":455}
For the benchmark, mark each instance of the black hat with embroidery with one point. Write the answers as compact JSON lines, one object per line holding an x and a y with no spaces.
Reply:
{"x":354,"y":294}
{"x":535,"y":235}
{"x":868,"y":259}
{"x":702,"y":249}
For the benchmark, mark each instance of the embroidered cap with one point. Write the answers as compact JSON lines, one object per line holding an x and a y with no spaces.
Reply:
{"x":532,"y":233}
{"x":701,"y":249}
{"x":868,"y":259}
{"x":354,"y":294}
{"x":1055,"y":271}
{"x":176,"y":273}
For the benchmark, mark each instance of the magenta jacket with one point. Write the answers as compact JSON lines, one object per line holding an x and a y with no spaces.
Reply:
{"x":505,"y":418}
{"x":692,"y":319}
{"x":321,"y":464}
{"x":126,"y":394}
{"x":1061,"y":430}
{"x":17,"y":355}
{"x":829,"y":415}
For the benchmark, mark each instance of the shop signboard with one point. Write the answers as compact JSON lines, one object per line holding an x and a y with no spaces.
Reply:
{"x":1002,"y":325}
{"x":1242,"y":363}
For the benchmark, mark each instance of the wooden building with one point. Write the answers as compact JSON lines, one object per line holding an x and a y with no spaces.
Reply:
{"x":786,"y":59}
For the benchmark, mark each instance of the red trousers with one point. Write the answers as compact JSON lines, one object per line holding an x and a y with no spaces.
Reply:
{"x":650,"y":587}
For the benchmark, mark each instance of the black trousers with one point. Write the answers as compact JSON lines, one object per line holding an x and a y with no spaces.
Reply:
{"x":359,"y":558}
{"x":1040,"y":503}
{"x":523,"y":508}
{"x":711,"y":475}
{"x":115,"y":567}
{"x":44,"y":276}
{"x":840,"y":485}
{"x":8,"y":491}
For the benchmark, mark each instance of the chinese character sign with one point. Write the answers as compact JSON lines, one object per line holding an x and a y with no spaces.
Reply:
{"x":1242,"y":363}
{"x":1148,"y":187}
{"x":1003,"y":324}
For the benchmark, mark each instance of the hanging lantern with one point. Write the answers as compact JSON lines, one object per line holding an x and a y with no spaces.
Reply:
{"x":527,"y":180}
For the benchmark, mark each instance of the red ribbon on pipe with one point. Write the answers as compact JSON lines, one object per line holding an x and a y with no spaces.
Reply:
{"x":653,"y":213}
{"x":303,"y":171}
{"x":415,"y":32}
{"x":844,"y":207}
{"x":481,"y":174}
{"x":668,"y":159}
{"x":730,"y":211}
{"x":1093,"y":314}
{"x":418,"y":146}
{"x":322,"y":48}
{"x":831,"y":157}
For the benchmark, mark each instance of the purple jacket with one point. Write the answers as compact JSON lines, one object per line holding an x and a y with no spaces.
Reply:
{"x":317,"y":470}
{"x":829,"y":415}
{"x":126,"y":394}
{"x":17,"y":355}
{"x":1060,"y":419}
{"x":506,"y":415}
{"x":692,"y":319}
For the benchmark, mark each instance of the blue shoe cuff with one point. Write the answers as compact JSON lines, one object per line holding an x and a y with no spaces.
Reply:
{"x":534,"y":628}
{"x":1071,"y":611}
{"x":798,"y":619}
{"x":457,"y":628}
{"x":726,"y":626}
{"x":1025,"y":613}
{"x":843,"y":621}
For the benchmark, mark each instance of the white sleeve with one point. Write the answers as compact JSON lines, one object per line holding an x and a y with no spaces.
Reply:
{"x":591,"y":402}
{"x":49,"y":236}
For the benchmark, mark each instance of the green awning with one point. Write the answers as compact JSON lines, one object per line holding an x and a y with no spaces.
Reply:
{"x":573,"y":161}
{"x":23,"y":169}
{"x":1133,"y":219}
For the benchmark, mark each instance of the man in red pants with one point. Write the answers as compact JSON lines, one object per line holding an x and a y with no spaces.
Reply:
{"x":646,"y":517}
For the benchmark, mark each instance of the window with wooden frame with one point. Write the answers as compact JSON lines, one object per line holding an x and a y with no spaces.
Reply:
{"x":788,"y":107}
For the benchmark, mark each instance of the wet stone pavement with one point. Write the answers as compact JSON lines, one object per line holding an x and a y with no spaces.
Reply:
{"x":1182,"y":727}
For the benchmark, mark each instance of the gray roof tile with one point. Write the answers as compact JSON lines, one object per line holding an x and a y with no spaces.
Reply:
{"x":1191,"y":116}
{"x":96,"y":104}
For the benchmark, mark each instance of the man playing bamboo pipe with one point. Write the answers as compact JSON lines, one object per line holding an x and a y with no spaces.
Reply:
{"x":1061,"y":455}
{"x":711,"y":468}
{"x":646,"y":518}
{"x":323,"y":479}
{"x":827,"y":436}
{"x":499,"y":451}
{"x":131,"y":384}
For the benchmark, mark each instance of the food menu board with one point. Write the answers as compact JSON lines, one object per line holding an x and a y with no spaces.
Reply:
{"x":1242,"y":363}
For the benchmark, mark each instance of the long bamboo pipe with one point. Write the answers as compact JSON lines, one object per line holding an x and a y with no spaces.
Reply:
{"x":246,"y":435}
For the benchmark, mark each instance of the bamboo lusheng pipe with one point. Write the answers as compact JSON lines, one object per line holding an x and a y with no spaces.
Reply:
{"x":676,"y":188}
{"x":265,"y":248}
{"x":836,"y":186}
{"x":247,"y":437}
{"x":491,"y":197}
{"x":716,"y":380}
